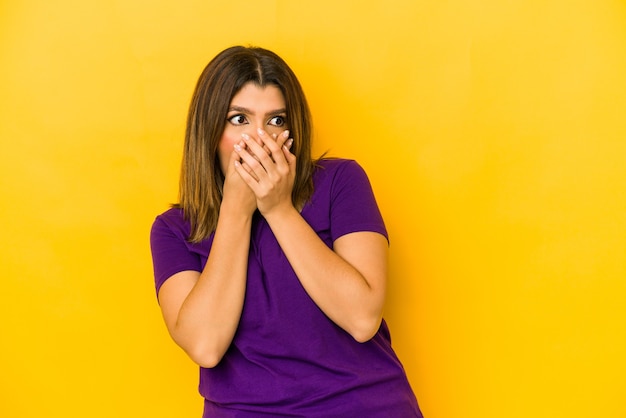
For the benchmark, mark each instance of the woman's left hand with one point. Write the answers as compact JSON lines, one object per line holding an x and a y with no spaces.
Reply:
{"x":268,"y":168}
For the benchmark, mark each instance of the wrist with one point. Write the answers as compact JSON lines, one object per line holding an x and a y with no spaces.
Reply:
{"x":280,"y":213}
{"x":232,"y":208}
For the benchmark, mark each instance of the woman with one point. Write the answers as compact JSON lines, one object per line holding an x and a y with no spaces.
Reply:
{"x":270,"y":271}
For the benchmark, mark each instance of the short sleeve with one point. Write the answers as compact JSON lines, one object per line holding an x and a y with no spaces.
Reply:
{"x":170,"y":251}
{"x":353,"y":206}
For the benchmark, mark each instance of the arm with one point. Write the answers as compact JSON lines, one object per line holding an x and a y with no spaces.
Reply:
{"x":202,"y":310}
{"x":346,"y":282}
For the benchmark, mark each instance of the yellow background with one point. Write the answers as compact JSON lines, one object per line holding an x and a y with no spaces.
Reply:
{"x":494,"y":135}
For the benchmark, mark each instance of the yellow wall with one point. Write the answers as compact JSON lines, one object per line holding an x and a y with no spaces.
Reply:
{"x":493,"y":132}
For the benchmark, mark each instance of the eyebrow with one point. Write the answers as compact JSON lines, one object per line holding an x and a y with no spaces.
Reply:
{"x":250,"y":112}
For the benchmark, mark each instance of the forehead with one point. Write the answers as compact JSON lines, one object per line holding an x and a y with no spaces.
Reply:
{"x":252,"y":95}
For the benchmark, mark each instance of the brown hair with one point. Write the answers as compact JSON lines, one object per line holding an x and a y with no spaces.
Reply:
{"x":201,"y":179}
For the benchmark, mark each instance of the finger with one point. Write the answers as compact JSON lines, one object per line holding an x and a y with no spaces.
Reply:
{"x":254,"y":156}
{"x":248,"y":140}
{"x":282,"y":138}
{"x":255,"y":146}
{"x":234,"y":156}
{"x":274,"y":137}
{"x":245,"y":175}
{"x":258,"y":151}
{"x":250,"y":171}
{"x":287,"y":158}
{"x":286,"y":151}
{"x":266,"y":149}
{"x":279,"y":139}
{"x":274,"y":146}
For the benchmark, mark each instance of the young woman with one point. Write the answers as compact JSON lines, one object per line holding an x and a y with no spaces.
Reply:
{"x":270,"y":271}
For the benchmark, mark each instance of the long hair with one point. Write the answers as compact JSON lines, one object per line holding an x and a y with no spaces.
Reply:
{"x":201,"y":179}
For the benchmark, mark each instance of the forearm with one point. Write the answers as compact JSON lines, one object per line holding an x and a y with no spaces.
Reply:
{"x":340,"y":290}
{"x":209,"y":316}
{"x":346,"y":283}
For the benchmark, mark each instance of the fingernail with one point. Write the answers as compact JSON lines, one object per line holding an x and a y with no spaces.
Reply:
{"x":286,"y":134}
{"x":237,"y":147}
{"x":245,"y":137}
{"x":260,"y":131}
{"x":274,"y":136}
{"x":289,"y":143}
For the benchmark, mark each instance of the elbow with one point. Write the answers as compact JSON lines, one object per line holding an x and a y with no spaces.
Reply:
{"x":362,"y":338}
{"x":206,"y":361}
{"x":205,"y":350}
{"x":205,"y":358}
{"x":366,"y":330}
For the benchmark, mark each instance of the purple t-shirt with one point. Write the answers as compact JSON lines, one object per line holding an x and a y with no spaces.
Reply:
{"x":288,"y":359}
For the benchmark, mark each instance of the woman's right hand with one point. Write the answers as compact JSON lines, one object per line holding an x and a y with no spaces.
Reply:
{"x":237,"y":196}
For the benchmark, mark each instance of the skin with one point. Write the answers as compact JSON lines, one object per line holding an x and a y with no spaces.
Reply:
{"x":202,"y":310}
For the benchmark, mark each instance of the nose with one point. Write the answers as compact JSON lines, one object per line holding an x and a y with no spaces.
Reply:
{"x":253,"y":130}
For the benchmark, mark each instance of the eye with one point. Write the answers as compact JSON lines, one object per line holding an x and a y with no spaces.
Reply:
{"x":277,"y":121}
{"x":238,"y":119}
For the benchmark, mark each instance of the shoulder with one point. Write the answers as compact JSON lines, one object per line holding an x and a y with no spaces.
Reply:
{"x":171,"y":252}
{"x":172,"y":215}
{"x":332,"y":168}
{"x":344,"y":199}
{"x":334,"y":164}
{"x":172,"y":220}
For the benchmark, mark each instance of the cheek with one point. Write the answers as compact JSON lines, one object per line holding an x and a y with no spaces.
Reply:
{"x":225,"y":148}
